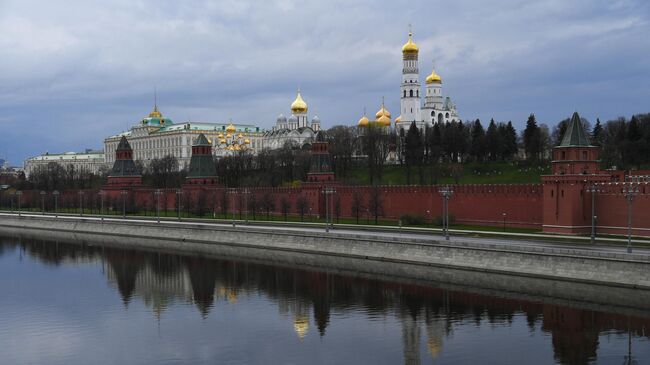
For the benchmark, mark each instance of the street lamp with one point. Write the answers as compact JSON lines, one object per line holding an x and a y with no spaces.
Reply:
{"x":56,"y":203}
{"x":81,"y":203}
{"x":124,"y":193}
{"x":43,"y":202}
{"x":629,"y":191}
{"x":446,"y":193}
{"x":19,"y":193}
{"x":593,"y":189}
{"x":328,"y":192}
{"x":101,"y":200}
{"x":504,"y":220}
{"x":158,"y":193}
{"x":233,"y":192}
{"x":179,"y":195}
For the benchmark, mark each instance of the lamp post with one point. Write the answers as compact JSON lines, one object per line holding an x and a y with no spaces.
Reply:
{"x":328,"y":192}
{"x":43,"y":202}
{"x":101,"y":202}
{"x":124,"y":193}
{"x":446,"y":193}
{"x":81,"y":203}
{"x":504,"y":220}
{"x":19,"y":193}
{"x":179,"y":195}
{"x":11,"y":200}
{"x":246,"y":192}
{"x":629,"y":191}
{"x":157,"y":193}
{"x":56,"y":203}
{"x":593,"y":189}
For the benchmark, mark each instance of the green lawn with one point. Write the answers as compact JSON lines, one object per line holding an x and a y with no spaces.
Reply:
{"x":471,"y":173}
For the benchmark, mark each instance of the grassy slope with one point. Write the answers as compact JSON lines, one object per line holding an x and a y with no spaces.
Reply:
{"x":473,"y":173}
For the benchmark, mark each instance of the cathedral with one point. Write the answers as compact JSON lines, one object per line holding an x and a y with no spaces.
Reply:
{"x":436,"y":108}
{"x":296,"y":130}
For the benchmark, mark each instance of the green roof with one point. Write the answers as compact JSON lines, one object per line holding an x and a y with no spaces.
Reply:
{"x":202,"y":141}
{"x":575,"y":135}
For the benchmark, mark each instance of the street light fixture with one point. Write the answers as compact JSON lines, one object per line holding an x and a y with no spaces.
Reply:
{"x":593,"y":189}
{"x":158,"y":193}
{"x":179,"y":195}
{"x":43,"y":202}
{"x":124,"y":193}
{"x":327,"y":192}
{"x":629,"y":191}
{"x":101,"y":200}
{"x":56,"y":203}
{"x":81,"y":203}
{"x":446,"y":193}
{"x":19,"y":193}
{"x":504,"y":220}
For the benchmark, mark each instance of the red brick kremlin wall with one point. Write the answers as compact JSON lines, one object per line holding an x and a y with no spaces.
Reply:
{"x":481,"y":205}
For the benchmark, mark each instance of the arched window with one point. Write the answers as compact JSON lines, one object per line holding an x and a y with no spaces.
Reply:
{"x":440,"y":118}
{"x":447,"y":115}
{"x":417,"y":93}
{"x":411,"y":93}
{"x":433,"y":114}
{"x":404,"y":93}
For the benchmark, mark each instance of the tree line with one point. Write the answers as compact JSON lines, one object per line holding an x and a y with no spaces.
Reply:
{"x":423,"y":152}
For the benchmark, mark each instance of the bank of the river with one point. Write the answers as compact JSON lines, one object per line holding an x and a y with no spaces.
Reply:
{"x":410,"y":253}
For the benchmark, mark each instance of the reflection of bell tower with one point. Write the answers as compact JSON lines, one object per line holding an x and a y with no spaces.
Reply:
{"x":575,"y":337}
{"x":411,"y":339}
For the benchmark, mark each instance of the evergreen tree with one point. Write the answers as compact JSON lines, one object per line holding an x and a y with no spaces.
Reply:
{"x":509,"y":141}
{"x":531,"y":137}
{"x":493,"y":141}
{"x":597,"y":134}
{"x":414,"y":150}
{"x":477,"y":141}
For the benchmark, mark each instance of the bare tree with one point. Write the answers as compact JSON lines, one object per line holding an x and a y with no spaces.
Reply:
{"x":301,"y":206}
{"x":285,"y":206}
{"x":357,"y":205}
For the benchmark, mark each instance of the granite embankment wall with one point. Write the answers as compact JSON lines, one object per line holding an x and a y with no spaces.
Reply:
{"x":584,"y":266}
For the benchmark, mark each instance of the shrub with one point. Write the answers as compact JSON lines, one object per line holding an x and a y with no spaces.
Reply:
{"x":412,"y":220}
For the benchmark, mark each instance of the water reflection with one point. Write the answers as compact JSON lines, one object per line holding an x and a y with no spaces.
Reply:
{"x":428,"y":316}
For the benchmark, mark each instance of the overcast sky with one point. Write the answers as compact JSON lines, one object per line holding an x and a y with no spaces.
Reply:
{"x":75,"y":72}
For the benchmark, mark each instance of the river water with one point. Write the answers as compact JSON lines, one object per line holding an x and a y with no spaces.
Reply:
{"x":72,"y":303}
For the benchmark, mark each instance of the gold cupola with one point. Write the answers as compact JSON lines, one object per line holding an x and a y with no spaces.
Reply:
{"x":363,"y":122}
{"x":299,"y":106}
{"x":433,"y":78}
{"x":230,"y":128}
{"x":410,"y":47}
{"x":155,"y":113}
{"x":382,"y":111}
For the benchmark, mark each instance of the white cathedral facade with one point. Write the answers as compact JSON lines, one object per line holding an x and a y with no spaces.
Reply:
{"x":436,"y":109}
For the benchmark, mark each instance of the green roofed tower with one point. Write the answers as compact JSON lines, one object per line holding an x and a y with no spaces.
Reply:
{"x":202,"y":168}
{"x":575,"y":134}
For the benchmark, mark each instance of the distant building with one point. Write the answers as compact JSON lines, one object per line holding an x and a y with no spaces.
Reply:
{"x":296,"y":130}
{"x":156,"y":137}
{"x":88,"y":161}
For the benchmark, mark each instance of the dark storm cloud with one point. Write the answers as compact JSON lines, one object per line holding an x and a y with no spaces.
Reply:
{"x":74,"y":72}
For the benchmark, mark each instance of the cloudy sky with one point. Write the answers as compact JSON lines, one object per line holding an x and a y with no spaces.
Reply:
{"x":74,"y":72}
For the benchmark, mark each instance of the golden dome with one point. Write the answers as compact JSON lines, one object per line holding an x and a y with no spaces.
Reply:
{"x":398,"y":119}
{"x":299,"y":106}
{"x":239,"y":135}
{"x":363,"y":122}
{"x":384,"y":121}
{"x":247,"y":141}
{"x":220,"y":135}
{"x":230,"y":128}
{"x":228,"y":135}
{"x":155,"y":113}
{"x":433,"y":78}
{"x":410,"y":47}
{"x":382,"y":111}
{"x":222,"y":141}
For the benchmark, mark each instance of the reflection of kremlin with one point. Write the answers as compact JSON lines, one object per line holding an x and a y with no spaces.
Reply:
{"x":307,"y":298}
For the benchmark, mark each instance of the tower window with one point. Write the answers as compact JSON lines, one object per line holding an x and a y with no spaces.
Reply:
{"x":404,"y":93}
{"x":417,"y":93}
{"x":411,"y":93}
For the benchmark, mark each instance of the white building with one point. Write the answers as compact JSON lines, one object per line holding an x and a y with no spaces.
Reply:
{"x":88,"y":161}
{"x":296,"y":130}
{"x":156,"y":137}
{"x":436,"y":109}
